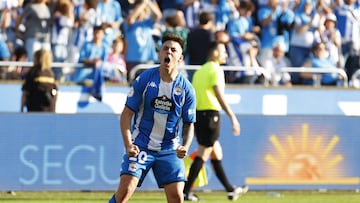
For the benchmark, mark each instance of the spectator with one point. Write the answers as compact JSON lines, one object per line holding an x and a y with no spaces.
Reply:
{"x":192,"y":9}
{"x":302,"y":38}
{"x":39,"y":91}
{"x":115,"y":69}
{"x":320,"y":59}
{"x":348,"y":23}
{"x":92,"y":55}
{"x":243,"y":27}
{"x":19,"y":72}
{"x":110,"y":13}
{"x":271,"y":17}
{"x":330,"y":35}
{"x":4,"y":56}
{"x":244,"y":54}
{"x":61,"y":30}
{"x":138,"y":31}
{"x":169,"y":7}
{"x":199,"y":40}
{"x":85,"y":20}
{"x":243,"y":46}
{"x":274,"y":64}
{"x":9,"y":14}
{"x":36,"y":21}
{"x":176,"y":24}
{"x":224,"y":10}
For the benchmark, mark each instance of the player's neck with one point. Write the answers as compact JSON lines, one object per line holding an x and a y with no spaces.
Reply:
{"x":168,"y":75}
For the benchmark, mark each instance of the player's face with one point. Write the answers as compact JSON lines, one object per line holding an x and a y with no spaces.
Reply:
{"x":170,"y":54}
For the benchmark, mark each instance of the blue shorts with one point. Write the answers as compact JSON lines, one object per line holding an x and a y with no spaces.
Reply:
{"x":166,"y":166}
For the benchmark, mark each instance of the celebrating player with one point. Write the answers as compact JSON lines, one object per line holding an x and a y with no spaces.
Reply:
{"x":159,"y":101}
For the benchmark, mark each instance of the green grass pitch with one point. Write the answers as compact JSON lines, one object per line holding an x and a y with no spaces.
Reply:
{"x":311,"y":196}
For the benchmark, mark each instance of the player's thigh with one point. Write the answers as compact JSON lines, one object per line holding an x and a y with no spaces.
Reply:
{"x":217,"y":152}
{"x":174,"y":191}
{"x":168,"y":168}
{"x":204,"y":152}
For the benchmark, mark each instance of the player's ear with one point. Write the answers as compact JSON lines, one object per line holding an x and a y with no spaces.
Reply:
{"x":181,"y":58}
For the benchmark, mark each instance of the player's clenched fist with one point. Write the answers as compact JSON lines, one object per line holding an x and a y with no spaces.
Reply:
{"x":181,"y":152}
{"x":132,"y":150}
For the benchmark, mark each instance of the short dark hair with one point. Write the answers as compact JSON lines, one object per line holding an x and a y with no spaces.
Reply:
{"x":92,"y":3}
{"x":247,"y":5}
{"x":99,"y":27}
{"x":205,"y":17}
{"x":213,"y":46}
{"x":173,"y":37}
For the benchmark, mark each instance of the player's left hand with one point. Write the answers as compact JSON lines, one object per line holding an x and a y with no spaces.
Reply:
{"x":181,"y":152}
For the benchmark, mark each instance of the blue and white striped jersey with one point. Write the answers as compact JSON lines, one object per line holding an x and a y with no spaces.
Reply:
{"x":160,"y":108}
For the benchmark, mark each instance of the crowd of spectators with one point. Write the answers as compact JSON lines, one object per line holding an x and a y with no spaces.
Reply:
{"x":258,"y":33}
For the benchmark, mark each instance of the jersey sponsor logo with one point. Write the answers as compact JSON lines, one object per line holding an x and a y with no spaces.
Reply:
{"x":163,"y":104}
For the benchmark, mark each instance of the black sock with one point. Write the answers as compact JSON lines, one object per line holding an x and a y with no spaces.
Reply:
{"x":193,"y":173}
{"x":220,"y":174}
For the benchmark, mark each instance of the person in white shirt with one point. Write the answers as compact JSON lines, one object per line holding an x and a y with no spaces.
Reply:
{"x":274,"y":64}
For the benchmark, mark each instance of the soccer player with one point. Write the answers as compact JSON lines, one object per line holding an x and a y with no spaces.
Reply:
{"x":160,"y":101}
{"x":209,"y":85}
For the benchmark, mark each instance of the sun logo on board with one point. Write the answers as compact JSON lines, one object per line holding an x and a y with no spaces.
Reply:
{"x":303,"y":157}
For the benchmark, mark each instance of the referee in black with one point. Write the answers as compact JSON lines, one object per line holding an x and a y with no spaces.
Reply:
{"x":209,"y":84}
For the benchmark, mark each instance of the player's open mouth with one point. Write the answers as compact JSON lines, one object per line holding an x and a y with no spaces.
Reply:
{"x":167,"y":60}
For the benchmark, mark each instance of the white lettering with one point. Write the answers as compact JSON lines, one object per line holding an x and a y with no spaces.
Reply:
{"x":29,"y":163}
{"x":102,"y":167}
{"x":47,"y":164}
{"x":57,"y":168}
{"x":87,"y":167}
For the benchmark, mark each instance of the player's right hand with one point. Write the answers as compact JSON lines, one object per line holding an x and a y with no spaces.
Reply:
{"x":236,"y":127}
{"x":132,"y":150}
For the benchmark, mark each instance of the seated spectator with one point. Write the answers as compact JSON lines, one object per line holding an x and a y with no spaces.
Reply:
{"x":115,"y":70}
{"x":243,"y":54}
{"x":19,"y":72}
{"x":4,"y":56}
{"x":319,"y":59}
{"x":92,"y":55}
{"x":274,"y":64}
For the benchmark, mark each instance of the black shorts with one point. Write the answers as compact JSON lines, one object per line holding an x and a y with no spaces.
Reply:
{"x":207,"y":127}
